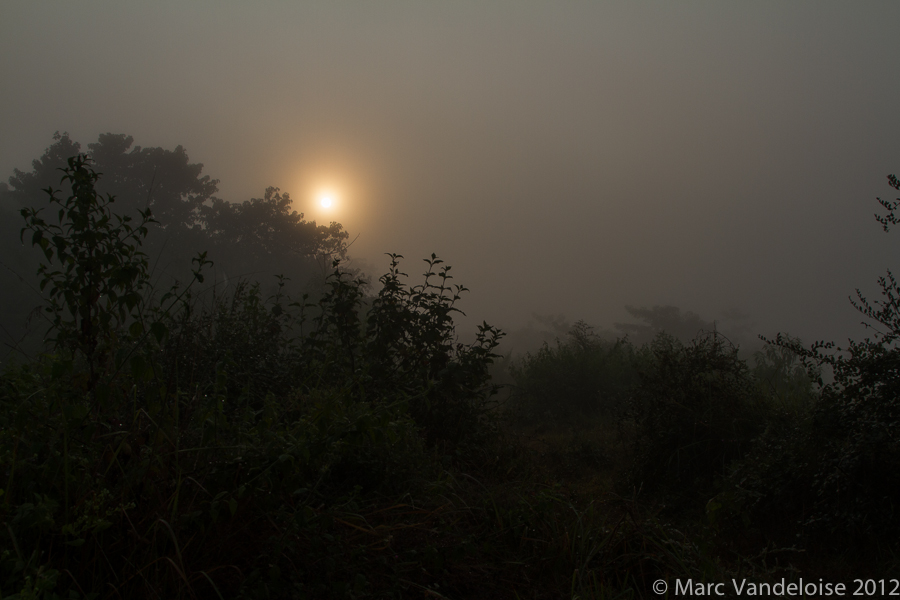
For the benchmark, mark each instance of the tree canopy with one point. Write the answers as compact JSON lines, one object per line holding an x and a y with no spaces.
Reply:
{"x":184,"y":203}
{"x":258,"y":238}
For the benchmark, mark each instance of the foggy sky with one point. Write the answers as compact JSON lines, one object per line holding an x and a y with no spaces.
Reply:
{"x":564,"y":157}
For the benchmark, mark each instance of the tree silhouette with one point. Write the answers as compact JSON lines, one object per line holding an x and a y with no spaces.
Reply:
{"x":684,"y":326}
{"x":267,"y":233}
{"x":252,"y":237}
{"x":258,"y":238}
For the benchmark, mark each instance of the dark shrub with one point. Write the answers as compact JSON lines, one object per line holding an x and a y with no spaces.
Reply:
{"x":579,"y":377}
{"x":695,"y":411}
{"x":834,"y":471}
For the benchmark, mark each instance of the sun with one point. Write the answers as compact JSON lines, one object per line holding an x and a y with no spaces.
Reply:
{"x":326,"y":198}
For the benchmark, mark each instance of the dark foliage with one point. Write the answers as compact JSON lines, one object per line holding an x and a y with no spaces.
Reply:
{"x":695,"y":412}
{"x":580,"y":377}
{"x":239,"y":428}
{"x":405,"y":346}
{"x":245,"y":445}
{"x":834,"y":471}
{"x":96,"y":286}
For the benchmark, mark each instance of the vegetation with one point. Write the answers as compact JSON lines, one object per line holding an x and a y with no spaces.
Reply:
{"x":578,"y":378}
{"x":258,"y":238}
{"x":844,"y":452}
{"x":346,"y":445}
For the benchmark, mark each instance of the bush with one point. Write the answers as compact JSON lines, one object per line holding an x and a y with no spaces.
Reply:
{"x":96,"y":289}
{"x":124,"y":498}
{"x":695,"y":411}
{"x":581,"y":377}
{"x":238,"y":348}
{"x":830,"y":471}
{"x":404,"y":347}
{"x":833,"y":472}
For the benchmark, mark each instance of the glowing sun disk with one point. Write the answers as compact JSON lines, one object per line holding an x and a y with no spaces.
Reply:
{"x":326,"y":199}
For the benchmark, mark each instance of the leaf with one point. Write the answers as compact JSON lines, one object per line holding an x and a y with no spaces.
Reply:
{"x":136,"y":329}
{"x":103,"y":392}
{"x":159,"y":331}
{"x":75,"y":412}
{"x":140,"y":369}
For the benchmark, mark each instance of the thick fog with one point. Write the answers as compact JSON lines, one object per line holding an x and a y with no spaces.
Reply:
{"x":566,"y":158}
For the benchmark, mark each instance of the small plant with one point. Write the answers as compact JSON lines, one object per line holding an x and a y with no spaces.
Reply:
{"x":98,"y":287}
{"x":411,"y":341}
